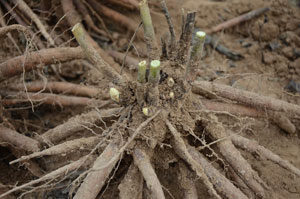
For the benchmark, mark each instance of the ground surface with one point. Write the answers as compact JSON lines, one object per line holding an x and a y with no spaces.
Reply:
{"x":270,"y":45}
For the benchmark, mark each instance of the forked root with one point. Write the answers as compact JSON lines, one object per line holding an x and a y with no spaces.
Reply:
{"x":66,"y":147}
{"x":11,"y":137}
{"x":233,"y":156}
{"x":132,"y":184}
{"x":253,"y":147}
{"x":182,"y":151}
{"x":96,"y":178}
{"x":62,"y":171}
{"x":223,"y":186}
{"x":142,"y":161}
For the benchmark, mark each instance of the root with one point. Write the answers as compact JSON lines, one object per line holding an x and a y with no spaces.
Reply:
{"x":7,"y":29}
{"x":222,"y":185}
{"x":116,"y":17}
{"x":66,"y":147}
{"x":253,"y":147}
{"x":233,"y":156}
{"x":280,"y":120}
{"x":245,"y":97}
{"x":77,"y":123}
{"x":96,"y":178}
{"x":182,"y":151}
{"x":31,"y":166}
{"x":11,"y":137}
{"x":132,"y":184}
{"x":73,"y":18}
{"x":62,"y":171}
{"x":235,"y":21}
{"x":187,"y":183}
{"x":87,"y":18}
{"x":235,"y":109}
{"x":61,"y":88}
{"x":131,"y":62}
{"x":26,"y":9}
{"x":51,"y":99}
{"x":37,"y":40}
{"x":31,"y":61}
{"x":142,"y":161}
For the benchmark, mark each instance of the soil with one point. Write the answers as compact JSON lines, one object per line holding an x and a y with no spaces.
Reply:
{"x":270,"y":46}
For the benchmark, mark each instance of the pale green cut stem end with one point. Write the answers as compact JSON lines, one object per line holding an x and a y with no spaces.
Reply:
{"x":114,"y":94}
{"x":142,"y":72}
{"x":154,"y":71}
{"x":198,"y":46}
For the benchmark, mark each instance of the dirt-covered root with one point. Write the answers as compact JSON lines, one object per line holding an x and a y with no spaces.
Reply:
{"x":12,"y":138}
{"x":182,"y":151}
{"x":27,"y":10}
{"x":132,"y":184}
{"x":278,"y":118}
{"x":60,"y":172}
{"x":63,"y":148}
{"x":7,"y":29}
{"x":33,"y":60}
{"x":73,"y":17}
{"x":186,"y":182}
{"x":98,"y":174}
{"x":222,"y":185}
{"x":60,"y":88}
{"x":142,"y":161}
{"x":233,"y":156}
{"x":244,"y":97}
{"x":253,"y":147}
{"x":50,"y":99}
{"x":78,"y":123}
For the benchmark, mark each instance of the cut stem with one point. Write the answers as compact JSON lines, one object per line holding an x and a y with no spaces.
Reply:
{"x":148,"y":29}
{"x":154,"y":75}
{"x":142,"y":72}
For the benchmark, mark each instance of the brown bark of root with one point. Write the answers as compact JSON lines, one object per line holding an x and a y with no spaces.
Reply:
{"x":63,"y":148}
{"x":244,"y":97}
{"x":132,"y":184}
{"x":253,"y":147}
{"x":11,"y":137}
{"x":182,"y":151}
{"x":76,"y":124}
{"x":60,"y":88}
{"x":50,"y":99}
{"x":186,"y":182}
{"x":223,"y":186}
{"x":142,"y":161}
{"x":62,"y":171}
{"x":233,"y":156}
{"x":97,"y":176}
{"x":33,"y":60}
